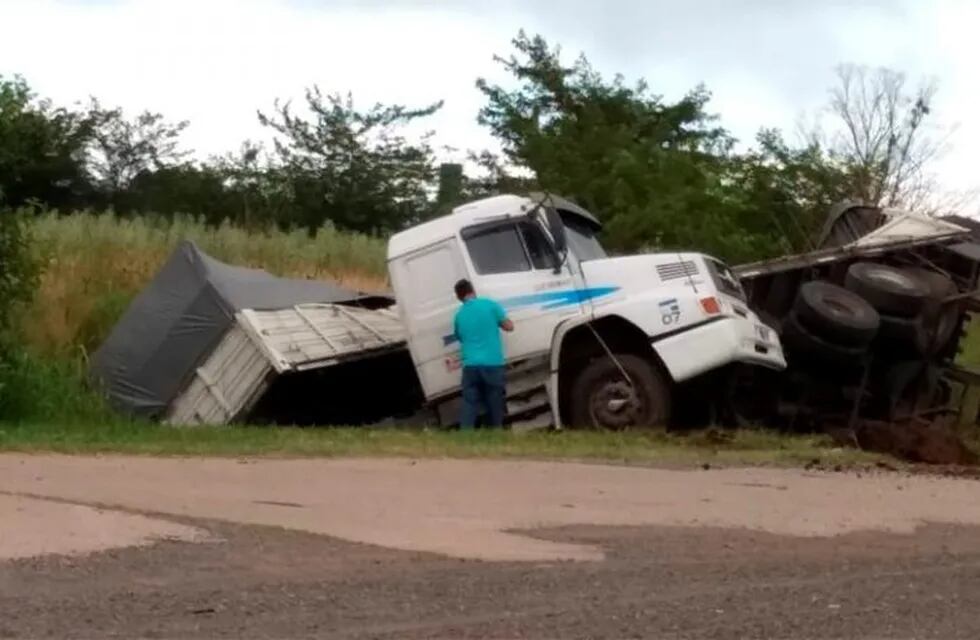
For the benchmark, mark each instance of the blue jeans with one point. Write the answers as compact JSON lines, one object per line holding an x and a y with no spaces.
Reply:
{"x":483,"y":386}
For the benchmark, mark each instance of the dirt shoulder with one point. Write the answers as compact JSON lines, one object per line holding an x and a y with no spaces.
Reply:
{"x":367,"y":548}
{"x":472,"y":508}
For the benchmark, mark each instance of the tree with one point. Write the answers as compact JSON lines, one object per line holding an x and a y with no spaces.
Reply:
{"x":883,"y":136}
{"x":183,"y":188}
{"x":258,"y":189}
{"x":353,"y":168}
{"x":122,"y":149}
{"x":451,"y":185}
{"x":785,"y":193}
{"x":655,"y":172}
{"x":42,"y":149}
{"x":493,"y":178}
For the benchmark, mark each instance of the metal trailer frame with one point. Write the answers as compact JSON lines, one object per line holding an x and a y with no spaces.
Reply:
{"x":900,"y":239}
{"x":262,"y":345}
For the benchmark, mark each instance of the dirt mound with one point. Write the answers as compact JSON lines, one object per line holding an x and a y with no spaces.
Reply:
{"x":933,"y":443}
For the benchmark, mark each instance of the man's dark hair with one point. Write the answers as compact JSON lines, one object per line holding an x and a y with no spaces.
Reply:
{"x":463,"y":289}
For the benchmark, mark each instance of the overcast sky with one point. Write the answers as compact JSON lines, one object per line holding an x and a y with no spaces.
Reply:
{"x":214,"y":62}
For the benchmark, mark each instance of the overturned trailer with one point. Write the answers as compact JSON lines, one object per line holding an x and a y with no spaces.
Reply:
{"x":210,"y":343}
{"x":871,"y":320}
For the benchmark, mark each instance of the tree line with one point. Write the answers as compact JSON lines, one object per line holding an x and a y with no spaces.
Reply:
{"x":659,"y":173}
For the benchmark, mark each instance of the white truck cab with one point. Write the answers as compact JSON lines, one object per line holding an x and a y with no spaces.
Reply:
{"x":599,"y":341}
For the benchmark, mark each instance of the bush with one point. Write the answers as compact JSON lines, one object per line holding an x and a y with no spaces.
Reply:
{"x":38,"y":390}
{"x":33,"y":389}
{"x":18,"y":268}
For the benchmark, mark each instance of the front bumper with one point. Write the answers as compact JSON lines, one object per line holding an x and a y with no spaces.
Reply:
{"x":718,"y":343}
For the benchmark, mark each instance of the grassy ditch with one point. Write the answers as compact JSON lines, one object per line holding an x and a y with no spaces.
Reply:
{"x":748,"y":447}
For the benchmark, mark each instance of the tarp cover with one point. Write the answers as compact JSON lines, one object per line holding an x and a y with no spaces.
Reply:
{"x":175,"y":322}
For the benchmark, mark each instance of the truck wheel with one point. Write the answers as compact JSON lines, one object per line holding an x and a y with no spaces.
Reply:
{"x":835,"y":314}
{"x":889,"y":290}
{"x":603,"y":399}
{"x":940,"y":320}
{"x":803,"y":343}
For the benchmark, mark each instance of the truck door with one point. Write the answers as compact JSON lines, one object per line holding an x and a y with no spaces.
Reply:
{"x":424,"y":280}
{"x":513,"y":263}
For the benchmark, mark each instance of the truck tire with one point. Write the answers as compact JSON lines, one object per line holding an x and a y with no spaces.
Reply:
{"x":802,"y":343}
{"x":603,"y":399}
{"x":889,"y":290}
{"x":835,"y":314}
{"x":940,"y":320}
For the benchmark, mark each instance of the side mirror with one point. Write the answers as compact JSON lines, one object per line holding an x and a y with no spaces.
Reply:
{"x":557,"y":229}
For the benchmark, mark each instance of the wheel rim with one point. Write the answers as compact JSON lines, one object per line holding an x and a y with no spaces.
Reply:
{"x":837,"y":308}
{"x":614,"y":404}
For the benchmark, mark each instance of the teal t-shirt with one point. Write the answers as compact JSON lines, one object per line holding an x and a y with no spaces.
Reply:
{"x":477,"y":327}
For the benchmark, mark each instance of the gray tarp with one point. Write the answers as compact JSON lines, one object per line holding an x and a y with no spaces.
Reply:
{"x":175,"y":322}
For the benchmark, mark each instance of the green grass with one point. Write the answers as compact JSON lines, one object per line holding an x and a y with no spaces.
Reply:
{"x":50,"y":410}
{"x":723,"y":448}
{"x":970,"y":344}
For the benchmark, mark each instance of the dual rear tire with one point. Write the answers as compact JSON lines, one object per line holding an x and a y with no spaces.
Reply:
{"x":899,"y":309}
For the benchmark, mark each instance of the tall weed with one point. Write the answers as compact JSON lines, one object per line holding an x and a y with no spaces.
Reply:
{"x":95,"y":263}
{"x":34,"y":389}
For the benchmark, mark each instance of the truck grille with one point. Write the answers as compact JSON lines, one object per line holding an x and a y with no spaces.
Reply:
{"x":677,"y":270}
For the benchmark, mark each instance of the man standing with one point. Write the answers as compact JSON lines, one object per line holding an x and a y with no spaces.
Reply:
{"x":477,"y":327}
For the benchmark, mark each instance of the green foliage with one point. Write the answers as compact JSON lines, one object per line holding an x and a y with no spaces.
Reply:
{"x":34,"y":389}
{"x":352,"y":167}
{"x":18,"y":267}
{"x":95,"y":326}
{"x":658,"y":173}
{"x":42,"y":149}
{"x":662,"y":174}
{"x":782,"y":195}
{"x":181,"y":189}
{"x":451,"y":185}
{"x":18,"y":279}
{"x":120,"y":150}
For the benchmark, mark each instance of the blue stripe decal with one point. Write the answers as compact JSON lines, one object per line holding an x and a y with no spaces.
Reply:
{"x":556,"y":299}
{"x":548,"y":300}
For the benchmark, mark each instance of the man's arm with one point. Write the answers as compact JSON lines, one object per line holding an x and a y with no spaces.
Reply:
{"x":503,"y":321}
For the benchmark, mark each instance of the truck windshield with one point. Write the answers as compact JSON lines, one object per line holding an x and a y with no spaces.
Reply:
{"x":582,"y":240}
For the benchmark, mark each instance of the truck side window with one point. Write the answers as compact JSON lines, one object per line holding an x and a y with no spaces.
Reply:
{"x":538,"y":247}
{"x":496,"y":250}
